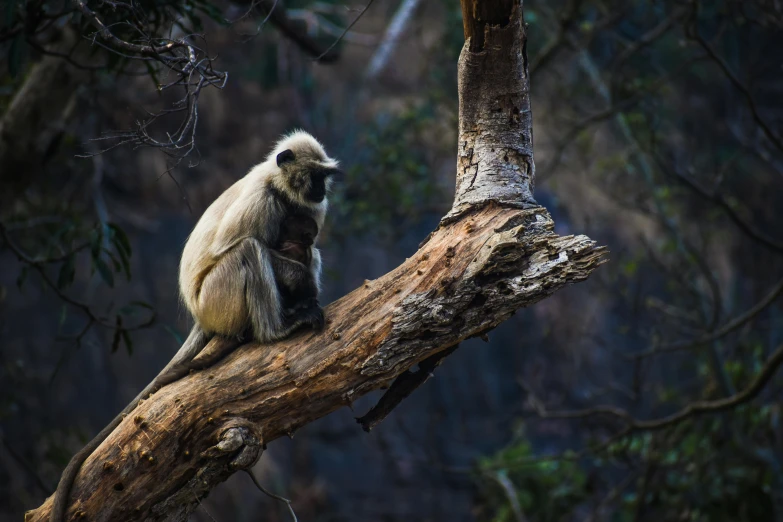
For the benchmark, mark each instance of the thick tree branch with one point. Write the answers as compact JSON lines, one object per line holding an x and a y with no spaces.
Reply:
{"x":494,"y":253}
{"x":402,"y":387}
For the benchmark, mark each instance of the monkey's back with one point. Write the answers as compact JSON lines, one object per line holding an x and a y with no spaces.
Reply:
{"x":218,"y":230}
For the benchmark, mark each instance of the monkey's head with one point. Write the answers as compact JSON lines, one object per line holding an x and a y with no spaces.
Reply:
{"x":304,"y":171}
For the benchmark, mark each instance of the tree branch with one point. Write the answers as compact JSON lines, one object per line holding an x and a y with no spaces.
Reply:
{"x":494,"y":253}
{"x":691,"y":410}
{"x":724,"y":330}
{"x":402,"y":387}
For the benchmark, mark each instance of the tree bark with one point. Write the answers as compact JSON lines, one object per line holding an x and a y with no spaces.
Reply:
{"x":492,"y":254}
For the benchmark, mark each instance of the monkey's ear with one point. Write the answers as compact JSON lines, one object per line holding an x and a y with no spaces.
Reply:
{"x":287,"y":156}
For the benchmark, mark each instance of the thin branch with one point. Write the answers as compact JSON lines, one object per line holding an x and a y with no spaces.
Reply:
{"x":555,"y":44}
{"x":691,"y":410}
{"x":316,"y":22}
{"x":204,"y":508}
{"x":291,"y":30}
{"x":39,"y":266}
{"x":647,"y":39}
{"x":345,"y":31}
{"x":757,"y":235}
{"x":272,"y":495}
{"x":723,"y":66}
{"x":260,"y":25}
{"x":108,"y":36}
{"x":724,"y":330}
{"x":614,"y":109}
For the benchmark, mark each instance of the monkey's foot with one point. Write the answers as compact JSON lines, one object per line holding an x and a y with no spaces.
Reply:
{"x":314,"y":317}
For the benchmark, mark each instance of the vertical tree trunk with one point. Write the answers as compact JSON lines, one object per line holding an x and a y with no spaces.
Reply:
{"x":495,"y":160}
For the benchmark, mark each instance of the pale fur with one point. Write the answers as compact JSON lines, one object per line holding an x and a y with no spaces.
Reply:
{"x":226,"y":279}
{"x":240,"y":226}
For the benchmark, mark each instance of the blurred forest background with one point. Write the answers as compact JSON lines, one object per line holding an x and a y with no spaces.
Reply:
{"x":658,"y":132}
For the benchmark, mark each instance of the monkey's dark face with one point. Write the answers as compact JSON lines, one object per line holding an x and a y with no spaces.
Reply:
{"x":307,"y":177}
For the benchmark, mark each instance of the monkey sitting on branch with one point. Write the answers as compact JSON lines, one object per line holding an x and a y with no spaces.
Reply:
{"x":231,"y":276}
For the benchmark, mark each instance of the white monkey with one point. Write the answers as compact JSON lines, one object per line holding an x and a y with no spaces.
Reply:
{"x":231,"y":276}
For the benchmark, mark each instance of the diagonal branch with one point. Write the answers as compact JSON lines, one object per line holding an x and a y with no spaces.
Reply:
{"x":495,"y":252}
{"x":731,"y":326}
{"x":756,"y":386}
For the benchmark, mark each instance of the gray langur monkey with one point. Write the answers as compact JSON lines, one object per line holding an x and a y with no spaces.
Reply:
{"x":232,"y":279}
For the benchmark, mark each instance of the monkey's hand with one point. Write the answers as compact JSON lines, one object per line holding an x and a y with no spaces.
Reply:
{"x":314,"y":316}
{"x":307,"y":312}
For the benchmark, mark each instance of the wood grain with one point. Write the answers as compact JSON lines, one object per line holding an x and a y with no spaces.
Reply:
{"x":492,"y":254}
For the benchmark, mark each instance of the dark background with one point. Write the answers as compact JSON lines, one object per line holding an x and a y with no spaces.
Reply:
{"x":657,"y":132}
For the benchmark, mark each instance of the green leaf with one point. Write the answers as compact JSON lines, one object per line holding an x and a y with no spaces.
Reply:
{"x":115,"y":263}
{"x":105,"y":272}
{"x":96,"y":238}
{"x":128,"y":343}
{"x":174,"y":333}
{"x":22,"y":277}
{"x":120,"y":239}
{"x":63,"y":315}
{"x":115,"y":342}
{"x":67,"y":273}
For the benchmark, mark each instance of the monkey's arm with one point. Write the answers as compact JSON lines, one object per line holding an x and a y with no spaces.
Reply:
{"x":294,"y":279}
{"x":262,"y":293}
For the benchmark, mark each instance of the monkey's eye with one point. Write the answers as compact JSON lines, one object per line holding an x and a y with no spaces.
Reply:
{"x":287,"y":156}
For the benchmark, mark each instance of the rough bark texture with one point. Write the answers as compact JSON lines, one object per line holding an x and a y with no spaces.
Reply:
{"x":495,"y":123}
{"x":494,"y":253}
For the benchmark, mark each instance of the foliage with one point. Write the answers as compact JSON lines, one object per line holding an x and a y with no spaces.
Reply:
{"x":390,"y":180}
{"x":657,"y":105}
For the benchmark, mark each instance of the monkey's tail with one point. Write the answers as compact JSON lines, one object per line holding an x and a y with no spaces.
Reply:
{"x":176,"y":369}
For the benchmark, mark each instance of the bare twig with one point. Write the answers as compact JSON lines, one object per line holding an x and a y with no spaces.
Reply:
{"x":691,"y":410}
{"x":39,"y":265}
{"x":272,"y":495}
{"x":751,"y":231}
{"x":614,"y":110}
{"x":193,"y":70}
{"x":291,"y":30}
{"x":647,"y":38}
{"x":345,"y":31}
{"x":204,"y":508}
{"x":724,"y":67}
{"x":724,"y":330}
